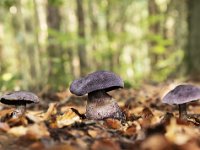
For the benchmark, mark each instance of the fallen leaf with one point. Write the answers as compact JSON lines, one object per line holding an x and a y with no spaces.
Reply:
{"x":34,"y":117}
{"x":18,"y":121}
{"x":180,"y":133}
{"x":192,"y":144}
{"x":37,"y":131}
{"x":51,"y":111}
{"x":62,"y":147}
{"x":18,"y":131}
{"x":131,"y":130}
{"x":105,"y":144}
{"x":4,"y":126}
{"x":112,"y":123}
{"x":156,"y":142}
{"x":66,"y":119}
{"x":93,"y":133}
{"x":5,"y":114}
{"x":36,"y":146}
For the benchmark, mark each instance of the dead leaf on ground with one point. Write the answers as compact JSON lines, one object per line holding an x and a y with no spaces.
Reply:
{"x":37,"y":131}
{"x":4,"y":126}
{"x":66,"y":119}
{"x":18,"y":130}
{"x":51,"y":111}
{"x":62,"y":147}
{"x":105,"y":144}
{"x":180,"y":133}
{"x":112,"y":123}
{"x":156,"y":142}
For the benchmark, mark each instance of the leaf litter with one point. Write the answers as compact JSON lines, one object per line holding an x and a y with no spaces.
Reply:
{"x":59,"y":123}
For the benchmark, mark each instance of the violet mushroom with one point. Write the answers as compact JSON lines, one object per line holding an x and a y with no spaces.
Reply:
{"x":181,"y":95}
{"x":20,"y":99}
{"x":100,"y":105}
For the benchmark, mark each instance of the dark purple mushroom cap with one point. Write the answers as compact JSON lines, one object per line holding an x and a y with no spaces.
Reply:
{"x":99,"y":80}
{"x":182,"y":94}
{"x":19,"y":98}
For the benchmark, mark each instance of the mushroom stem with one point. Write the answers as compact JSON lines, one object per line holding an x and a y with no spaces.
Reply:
{"x":99,"y":97}
{"x":101,"y":105}
{"x":19,"y":111}
{"x":182,"y":111}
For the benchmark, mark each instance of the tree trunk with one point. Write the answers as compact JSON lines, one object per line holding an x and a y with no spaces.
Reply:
{"x":1,"y":50}
{"x":192,"y":51}
{"x":154,"y":30}
{"x":21,"y":46}
{"x":55,"y":51}
{"x":109,"y":35}
{"x":92,"y":8}
{"x":40,"y":36}
{"x":81,"y":33}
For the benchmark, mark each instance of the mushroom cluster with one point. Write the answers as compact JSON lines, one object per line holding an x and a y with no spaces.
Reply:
{"x":181,"y":95}
{"x":100,"y":105}
{"x":19,"y":99}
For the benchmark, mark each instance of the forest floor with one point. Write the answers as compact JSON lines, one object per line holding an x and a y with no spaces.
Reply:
{"x":58,"y":123}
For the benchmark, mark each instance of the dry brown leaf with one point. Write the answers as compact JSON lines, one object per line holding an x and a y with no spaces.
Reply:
{"x":147,"y":117}
{"x":37,"y":131}
{"x":18,"y":121}
{"x":4,"y":126}
{"x":5,"y":114}
{"x":66,"y":119}
{"x":93,"y":133}
{"x":97,"y":133}
{"x":105,"y":144}
{"x":62,"y":147}
{"x":36,"y":146}
{"x":112,"y":123}
{"x":35,"y":116}
{"x":180,"y":133}
{"x":156,"y":142}
{"x":131,"y":130}
{"x":193,"y":144}
{"x":18,"y":131}
{"x":51,"y":111}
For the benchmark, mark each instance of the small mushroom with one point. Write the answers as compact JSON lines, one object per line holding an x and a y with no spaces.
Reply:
{"x":100,"y":105}
{"x":181,"y":95}
{"x":19,"y":99}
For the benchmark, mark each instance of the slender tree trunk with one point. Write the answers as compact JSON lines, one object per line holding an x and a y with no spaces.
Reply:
{"x":40,"y":36}
{"x":109,"y":34}
{"x":21,"y":46}
{"x":92,"y":6}
{"x":70,"y":54}
{"x":81,"y":33}
{"x":154,"y":30}
{"x":192,"y":51}
{"x":1,"y":49}
{"x":55,"y":51}
{"x":27,"y":54}
{"x":34,"y":70}
{"x":180,"y":24}
{"x":53,"y":20}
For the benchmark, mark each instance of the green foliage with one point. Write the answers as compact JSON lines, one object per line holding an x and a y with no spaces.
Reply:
{"x":7,"y":3}
{"x":167,"y":66}
{"x":56,"y":3}
{"x":8,"y":81}
{"x":160,"y":43}
{"x":62,"y":38}
{"x":126,"y":39}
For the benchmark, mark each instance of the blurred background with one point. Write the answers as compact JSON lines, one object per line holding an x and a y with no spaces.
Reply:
{"x":45,"y":44}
